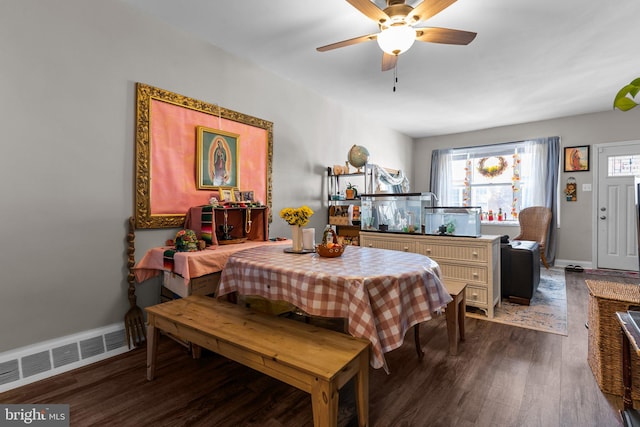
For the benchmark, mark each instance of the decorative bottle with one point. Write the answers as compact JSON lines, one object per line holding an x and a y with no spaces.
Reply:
{"x":327,"y":235}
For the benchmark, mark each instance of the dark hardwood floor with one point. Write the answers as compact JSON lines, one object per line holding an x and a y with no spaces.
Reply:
{"x":503,"y":376}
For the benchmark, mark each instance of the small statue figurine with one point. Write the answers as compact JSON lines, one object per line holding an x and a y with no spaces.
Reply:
{"x":225,"y":231}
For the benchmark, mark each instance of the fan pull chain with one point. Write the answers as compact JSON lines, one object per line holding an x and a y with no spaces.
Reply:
{"x":395,"y":76}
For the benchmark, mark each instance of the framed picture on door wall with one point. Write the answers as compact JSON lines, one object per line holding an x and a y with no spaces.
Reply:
{"x":576,"y":159}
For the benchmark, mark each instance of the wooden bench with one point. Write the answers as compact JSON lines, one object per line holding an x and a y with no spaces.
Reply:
{"x":316,"y":360}
{"x":455,"y":313}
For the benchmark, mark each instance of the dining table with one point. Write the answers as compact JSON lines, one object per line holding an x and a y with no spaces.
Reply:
{"x":381,"y":293}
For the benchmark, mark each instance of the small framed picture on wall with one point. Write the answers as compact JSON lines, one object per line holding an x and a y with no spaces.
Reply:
{"x":576,"y":159}
{"x":248,"y":196}
{"x":237,"y":195}
{"x":226,"y":194}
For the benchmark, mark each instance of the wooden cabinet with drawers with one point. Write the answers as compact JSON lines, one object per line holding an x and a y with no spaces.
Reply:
{"x":473,"y":260}
{"x":395,"y":242}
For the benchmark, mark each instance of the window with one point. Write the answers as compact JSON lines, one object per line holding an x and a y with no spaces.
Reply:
{"x":498,"y":178}
{"x":623,"y":165}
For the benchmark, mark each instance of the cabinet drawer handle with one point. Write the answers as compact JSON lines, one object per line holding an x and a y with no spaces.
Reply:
{"x":475,"y":253}
{"x":406,"y":248}
{"x":370,"y":245}
{"x":475,"y":274}
{"x":428,"y":250}
{"x":474,"y":295}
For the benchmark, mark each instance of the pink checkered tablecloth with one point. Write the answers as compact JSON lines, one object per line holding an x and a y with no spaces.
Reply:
{"x":381,"y":292}
{"x":192,"y":264}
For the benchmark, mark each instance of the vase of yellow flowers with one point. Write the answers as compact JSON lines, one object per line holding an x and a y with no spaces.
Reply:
{"x":296,"y":218}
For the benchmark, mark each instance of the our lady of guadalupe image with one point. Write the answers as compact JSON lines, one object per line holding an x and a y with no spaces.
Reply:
{"x":219,"y":162}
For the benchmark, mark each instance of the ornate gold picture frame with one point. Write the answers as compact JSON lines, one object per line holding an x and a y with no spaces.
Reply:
{"x":166,"y":154}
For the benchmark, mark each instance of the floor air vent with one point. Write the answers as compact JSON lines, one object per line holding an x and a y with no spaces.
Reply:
{"x":35,"y":363}
{"x":9,"y":371}
{"x":43,"y":360}
{"x":91,"y":347}
{"x":115,"y":340}
{"x":65,"y":354}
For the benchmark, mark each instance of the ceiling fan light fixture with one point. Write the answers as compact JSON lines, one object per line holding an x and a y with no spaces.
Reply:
{"x":396,"y":39}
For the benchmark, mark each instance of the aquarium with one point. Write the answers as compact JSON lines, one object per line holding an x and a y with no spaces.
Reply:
{"x":397,"y":212}
{"x":452,"y":221}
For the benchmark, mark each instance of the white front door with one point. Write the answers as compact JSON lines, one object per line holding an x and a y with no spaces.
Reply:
{"x":617,"y":240}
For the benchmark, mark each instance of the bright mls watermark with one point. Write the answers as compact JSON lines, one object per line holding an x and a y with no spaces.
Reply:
{"x":34,"y":415}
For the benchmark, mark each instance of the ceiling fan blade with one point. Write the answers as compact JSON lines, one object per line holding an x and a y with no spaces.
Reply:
{"x":389,"y":61}
{"x":444,"y":35}
{"x":370,"y":10}
{"x":349,"y":42}
{"x":427,"y":9}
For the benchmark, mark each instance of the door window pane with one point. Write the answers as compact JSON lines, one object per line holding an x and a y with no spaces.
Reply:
{"x":624,"y":165}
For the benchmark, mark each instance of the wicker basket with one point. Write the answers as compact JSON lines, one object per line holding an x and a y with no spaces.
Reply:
{"x":329,"y":236}
{"x":332,"y":252}
{"x":605,"y":339}
{"x":339,"y":220}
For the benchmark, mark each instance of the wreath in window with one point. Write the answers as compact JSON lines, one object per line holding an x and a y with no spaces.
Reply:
{"x":491,"y":167}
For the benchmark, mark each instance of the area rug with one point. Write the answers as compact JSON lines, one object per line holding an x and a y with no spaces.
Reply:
{"x":615,"y":273}
{"x":547,"y":312}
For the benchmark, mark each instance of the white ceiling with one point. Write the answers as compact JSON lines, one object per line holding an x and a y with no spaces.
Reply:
{"x":532,"y":59}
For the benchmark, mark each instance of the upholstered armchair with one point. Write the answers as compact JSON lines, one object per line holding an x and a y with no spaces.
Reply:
{"x":534,"y":225}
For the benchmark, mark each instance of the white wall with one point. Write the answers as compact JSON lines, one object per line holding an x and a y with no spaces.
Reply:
{"x":67,"y":96}
{"x":575,"y":232}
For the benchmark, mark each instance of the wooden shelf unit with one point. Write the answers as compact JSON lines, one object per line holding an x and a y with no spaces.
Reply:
{"x":237,"y":217}
{"x":338,"y":209}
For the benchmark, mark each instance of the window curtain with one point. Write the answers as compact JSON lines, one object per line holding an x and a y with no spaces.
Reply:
{"x":544,"y":156}
{"x":441,"y":161}
{"x":541,"y":171}
{"x":551,"y":197}
{"x":545,"y":167}
{"x":534,"y":171}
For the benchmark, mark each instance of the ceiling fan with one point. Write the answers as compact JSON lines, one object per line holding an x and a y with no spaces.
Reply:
{"x":397,"y":31}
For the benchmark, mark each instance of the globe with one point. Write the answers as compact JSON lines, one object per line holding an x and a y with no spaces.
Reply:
{"x":358,"y":156}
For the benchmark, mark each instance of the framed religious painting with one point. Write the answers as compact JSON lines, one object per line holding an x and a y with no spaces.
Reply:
{"x":576,"y":159}
{"x":216,"y":158}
